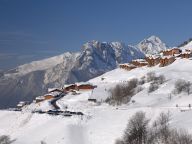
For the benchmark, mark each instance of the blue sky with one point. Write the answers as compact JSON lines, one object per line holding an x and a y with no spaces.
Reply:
{"x":35,"y":29}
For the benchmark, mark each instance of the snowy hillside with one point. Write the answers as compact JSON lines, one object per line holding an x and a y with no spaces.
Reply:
{"x":151,"y":45}
{"x":102,"y":123}
{"x":188,"y":46}
{"x":30,"y":80}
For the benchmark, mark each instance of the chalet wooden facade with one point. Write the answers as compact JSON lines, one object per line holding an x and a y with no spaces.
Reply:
{"x":57,"y":90}
{"x":164,"y":61}
{"x":152,"y":61}
{"x":139,"y":62}
{"x":71,"y":87}
{"x":171,"y":52}
{"x":185,"y":55}
{"x":47,"y":97}
{"x":85,"y":87}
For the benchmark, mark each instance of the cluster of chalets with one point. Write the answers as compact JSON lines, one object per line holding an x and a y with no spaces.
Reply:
{"x":55,"y":94}
{"x":164,"y":58}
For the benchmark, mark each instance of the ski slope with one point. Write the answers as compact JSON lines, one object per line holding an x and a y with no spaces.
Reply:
{"x":102,"y":123}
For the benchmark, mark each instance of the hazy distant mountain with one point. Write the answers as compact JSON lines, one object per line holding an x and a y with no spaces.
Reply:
{"x":151,"y":45}
{"x":30,"y":80}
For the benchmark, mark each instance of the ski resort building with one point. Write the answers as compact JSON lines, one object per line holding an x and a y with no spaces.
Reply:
{"x":166,"y":60}
{"x":71,"y":87}
{"x":139,"y":62}
{"x":153,"y":60}
{"x":86,"y":87}
{"x":171,"y":52}
{"x":127,"y":66}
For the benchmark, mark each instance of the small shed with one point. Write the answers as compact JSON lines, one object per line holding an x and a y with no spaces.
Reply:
{"x":92,"y":100}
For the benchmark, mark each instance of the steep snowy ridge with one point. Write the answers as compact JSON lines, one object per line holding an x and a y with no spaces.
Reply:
{"x":41,"y":64}
{"x":151,"y":45}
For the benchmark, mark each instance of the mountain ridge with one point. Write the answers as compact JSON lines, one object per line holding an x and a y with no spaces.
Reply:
{"x":152,"y":45}
{"x":30,"y":80}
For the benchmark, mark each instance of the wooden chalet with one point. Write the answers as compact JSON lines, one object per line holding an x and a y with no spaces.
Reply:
{"x":85,"y":87}
{"x":127,"y":66}
{"x":171,"y":52}
{"x":71,"y":87}
{"x":139,"y":62}
{"x":167,"y":60}
{"x":47,"y":97}
{"x":56,"y":90}
{"x":185,"y":55}
{"x":152,"y":60}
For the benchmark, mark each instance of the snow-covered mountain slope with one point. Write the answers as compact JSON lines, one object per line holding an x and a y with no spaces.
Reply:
{"x":40,"y":65}
{"x":99,"y":57}
{"x":103,"y":123}
{"x":30,"y":80}
{"x":152,"y":45}
{"x":188,"y":46}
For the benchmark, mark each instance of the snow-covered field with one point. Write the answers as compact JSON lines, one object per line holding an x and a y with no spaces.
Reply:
{"x":102,"y":123}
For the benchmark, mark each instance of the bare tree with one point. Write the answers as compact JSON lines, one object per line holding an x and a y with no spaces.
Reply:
{"x":122,"y":93}
{"x":161,"y":127}
{"x":182,"y":86}
{"x":153,"y":86}
{"x":180,"y":137}
{"x":4,"y":139}
{"x":151,"y":76}
{"x":136,"y":131}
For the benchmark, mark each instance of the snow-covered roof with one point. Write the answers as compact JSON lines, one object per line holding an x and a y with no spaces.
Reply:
{"x":52,"y":94}
{"x":153,"y":56}
{"x":139,"y":60}
{"x":20,"y":105}
{"x":83,"y":83}
{"x":40,"y":98}
{"x":67,"y":85}
{"x":128,"y":64}
{"x":167,"y":57}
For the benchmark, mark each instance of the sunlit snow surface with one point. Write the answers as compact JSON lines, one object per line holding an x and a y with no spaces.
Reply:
{"x":102,"y":124}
